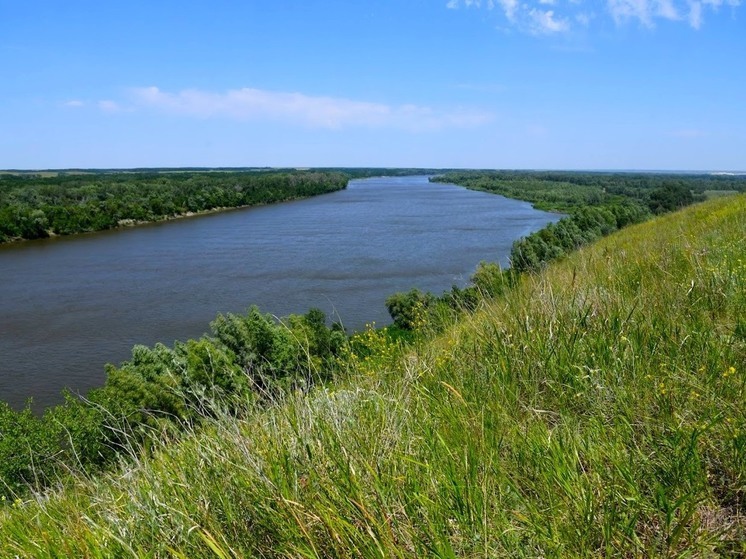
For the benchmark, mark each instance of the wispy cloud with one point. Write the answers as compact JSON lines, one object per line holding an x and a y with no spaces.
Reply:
{"x":73,"y":104}
{"x":645,"y":11}
{"x":695,"y":15}
{"x":534,"y":16}
{"x":109,"y":106}
{"x":545,"y":22}
{"x":508,"y":7}
{"x":302,"y":109}
{"x":696,"y":7}
{"x":584,"y":18}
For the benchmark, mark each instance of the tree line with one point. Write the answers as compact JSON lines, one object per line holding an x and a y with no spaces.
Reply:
{"x":33,"y":206}
{"x":40,"y":204}
{"x":595,"y":204}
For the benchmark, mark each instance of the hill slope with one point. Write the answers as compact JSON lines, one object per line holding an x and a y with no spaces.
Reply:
{"x":597,"y":409}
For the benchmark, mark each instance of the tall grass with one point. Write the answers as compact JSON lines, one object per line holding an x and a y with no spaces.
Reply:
{"x":595,"y":410}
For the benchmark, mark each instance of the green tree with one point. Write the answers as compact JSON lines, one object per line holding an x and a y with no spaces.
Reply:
{"x":407,"y":309}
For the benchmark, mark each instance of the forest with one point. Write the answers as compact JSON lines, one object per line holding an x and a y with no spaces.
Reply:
{"x":595,"y":203}
{"x":40,"y":205}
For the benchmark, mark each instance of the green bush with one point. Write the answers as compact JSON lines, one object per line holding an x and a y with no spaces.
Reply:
{"x":407,"y":309}
{"x":248,"y":358}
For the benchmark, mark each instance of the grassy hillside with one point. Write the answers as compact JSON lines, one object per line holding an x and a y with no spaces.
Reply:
{"x":597,"y":409}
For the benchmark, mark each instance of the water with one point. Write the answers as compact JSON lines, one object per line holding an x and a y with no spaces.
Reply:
{"x":70,"y":305}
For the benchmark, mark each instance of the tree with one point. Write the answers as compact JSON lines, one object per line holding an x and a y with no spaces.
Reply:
{"x":407,"y":309}
{"x":670,"y":197}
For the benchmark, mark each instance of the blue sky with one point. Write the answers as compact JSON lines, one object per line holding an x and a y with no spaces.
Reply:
{"x":541,"y":84}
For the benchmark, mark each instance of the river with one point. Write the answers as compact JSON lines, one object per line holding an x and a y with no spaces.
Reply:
{"x":69,"y":305}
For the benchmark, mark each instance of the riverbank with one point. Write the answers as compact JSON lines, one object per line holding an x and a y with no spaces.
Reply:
{"x":129,"y":223}
{"x":123,"y":223}
{"x":34,"y":207}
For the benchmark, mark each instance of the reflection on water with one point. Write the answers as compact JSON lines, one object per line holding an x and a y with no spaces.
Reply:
{"x":70,"y":305}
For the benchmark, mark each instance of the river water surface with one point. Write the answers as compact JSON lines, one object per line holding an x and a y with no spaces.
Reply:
{"x":70,"y":305}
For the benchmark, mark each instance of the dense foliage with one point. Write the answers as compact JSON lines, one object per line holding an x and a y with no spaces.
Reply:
{"x":596,"y":204}
{"x":33,"y":206}
{"x":563,"y":191}
{"x":250,"y":357}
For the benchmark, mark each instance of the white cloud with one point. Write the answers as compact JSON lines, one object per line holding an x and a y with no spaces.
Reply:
{"x":695,"y":9}
{"x":647,"y":11}
{"x":624,"y":9}
{"x":109,"y":106}
{"x":583,"y":19}
{"x":667,"y":10}
{"x":509,"y":8}
{"x":454,"y":4}
{"x":717,"y":3}
{"x":643,"y":10}
{"x":695,"y":15}
{"x":73,"y":103}
{"x":298,"y":108}
{"x":544,"y":22}
{"x":533,"y":16}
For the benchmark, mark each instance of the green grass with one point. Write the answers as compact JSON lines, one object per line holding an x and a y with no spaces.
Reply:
{"x":596,"y":410}
{"x":717,"y":193}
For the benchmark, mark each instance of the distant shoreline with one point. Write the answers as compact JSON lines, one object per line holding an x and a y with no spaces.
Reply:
{"x":132,"y":223}
{"x":36,"y":207}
